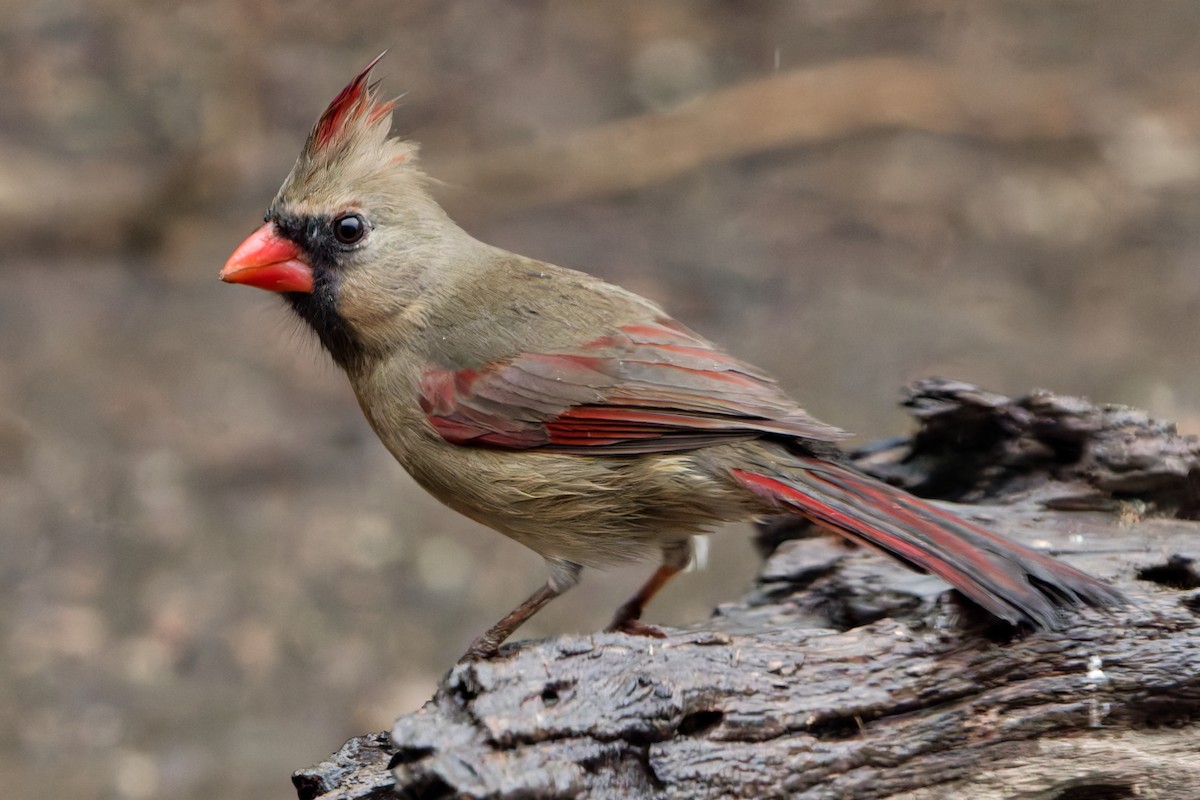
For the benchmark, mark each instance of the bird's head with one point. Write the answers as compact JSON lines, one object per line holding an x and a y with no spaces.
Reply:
{"x":347,"y":240}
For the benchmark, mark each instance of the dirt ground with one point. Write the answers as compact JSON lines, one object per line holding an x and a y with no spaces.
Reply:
{"x":212,"y":571}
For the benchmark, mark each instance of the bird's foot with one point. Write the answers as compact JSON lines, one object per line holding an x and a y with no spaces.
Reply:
{"x":482,"y":649}
{"x":635,"y":627}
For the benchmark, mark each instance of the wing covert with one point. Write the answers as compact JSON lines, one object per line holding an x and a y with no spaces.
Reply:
{"x":651,"y":387}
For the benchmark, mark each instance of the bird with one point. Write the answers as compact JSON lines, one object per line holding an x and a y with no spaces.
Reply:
{"x":570,"y":414}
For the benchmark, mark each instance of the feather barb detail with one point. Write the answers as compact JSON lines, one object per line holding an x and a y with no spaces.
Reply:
{"x":351,"y":105}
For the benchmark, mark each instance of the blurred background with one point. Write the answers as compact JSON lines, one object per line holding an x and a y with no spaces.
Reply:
{"x":213,"y":574}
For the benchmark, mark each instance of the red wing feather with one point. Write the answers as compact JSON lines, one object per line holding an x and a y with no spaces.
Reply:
{"x":649,"y":388}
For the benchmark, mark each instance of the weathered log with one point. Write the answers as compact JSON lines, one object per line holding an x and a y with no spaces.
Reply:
{"x":843,"y":675}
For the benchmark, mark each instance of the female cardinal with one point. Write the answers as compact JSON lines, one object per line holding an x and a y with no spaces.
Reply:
{"x":565,"y":412}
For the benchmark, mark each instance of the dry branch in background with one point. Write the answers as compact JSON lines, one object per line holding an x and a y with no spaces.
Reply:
{"x":789,"y":109}
{"x":786,"y":110}
{"x":844,"y":675}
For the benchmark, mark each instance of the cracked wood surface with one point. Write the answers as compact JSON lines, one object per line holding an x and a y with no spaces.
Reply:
{"x":844,"y":675}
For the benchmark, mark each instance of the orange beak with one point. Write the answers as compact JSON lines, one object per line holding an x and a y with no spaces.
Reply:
{"x":269,"y":261}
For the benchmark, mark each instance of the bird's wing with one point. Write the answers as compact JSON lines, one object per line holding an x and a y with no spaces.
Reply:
{"x":650,"y":387}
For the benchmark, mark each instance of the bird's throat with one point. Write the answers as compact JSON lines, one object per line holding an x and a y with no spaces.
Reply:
{"x":319,"y":310}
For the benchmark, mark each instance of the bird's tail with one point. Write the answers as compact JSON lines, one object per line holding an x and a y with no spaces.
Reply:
{"x":1012,"y":581}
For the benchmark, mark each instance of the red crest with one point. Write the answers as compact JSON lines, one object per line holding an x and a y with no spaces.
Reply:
{"x":352,"y":104}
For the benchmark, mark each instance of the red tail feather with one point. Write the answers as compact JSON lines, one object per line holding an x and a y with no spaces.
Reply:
{"x":1010,"y":580}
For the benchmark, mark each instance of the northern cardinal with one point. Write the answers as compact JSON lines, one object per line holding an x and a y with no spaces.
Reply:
{"x":567,"y":413}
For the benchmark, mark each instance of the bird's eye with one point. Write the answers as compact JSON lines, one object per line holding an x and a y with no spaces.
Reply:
{"x":349,"y":228}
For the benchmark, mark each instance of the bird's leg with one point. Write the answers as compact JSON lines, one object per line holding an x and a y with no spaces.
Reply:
{"x":563,"y":575}
{"x":486,"y":645}
{"x":628,"y":617}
